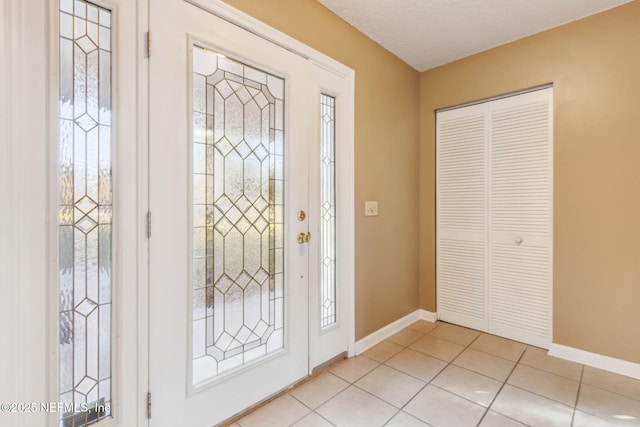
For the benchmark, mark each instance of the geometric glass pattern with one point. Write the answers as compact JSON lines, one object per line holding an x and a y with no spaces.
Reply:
{"x":238,"y":214}
{"x":84,"y":213}
{"x":327,"y":210}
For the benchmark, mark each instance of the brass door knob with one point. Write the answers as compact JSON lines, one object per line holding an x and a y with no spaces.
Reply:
{"x":304,"y":237}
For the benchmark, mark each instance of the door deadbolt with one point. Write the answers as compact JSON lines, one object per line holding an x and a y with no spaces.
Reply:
{"x":301,"y":215}
{"x":304,"y":238}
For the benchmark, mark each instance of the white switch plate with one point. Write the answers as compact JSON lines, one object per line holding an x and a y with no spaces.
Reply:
{"x":371,"y":208}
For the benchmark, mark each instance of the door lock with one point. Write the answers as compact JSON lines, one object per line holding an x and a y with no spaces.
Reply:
{"x":304,"y":238}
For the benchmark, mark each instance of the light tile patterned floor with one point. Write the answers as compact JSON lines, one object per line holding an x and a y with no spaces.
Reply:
{"x":438,"y":374}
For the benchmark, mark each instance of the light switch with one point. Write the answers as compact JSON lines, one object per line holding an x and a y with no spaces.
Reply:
{"x":371,"y":208}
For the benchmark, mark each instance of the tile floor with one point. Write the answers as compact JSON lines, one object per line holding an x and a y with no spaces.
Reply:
{"x":438,"y":374}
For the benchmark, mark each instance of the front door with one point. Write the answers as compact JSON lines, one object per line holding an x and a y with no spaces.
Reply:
{"x":232,"y":120}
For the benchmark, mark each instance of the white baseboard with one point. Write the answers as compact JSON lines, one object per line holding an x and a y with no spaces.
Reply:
{"x":611,"y":364}
{"x":595,"y":360}
{"x":383,"y":333}
{"x":428,"y":316}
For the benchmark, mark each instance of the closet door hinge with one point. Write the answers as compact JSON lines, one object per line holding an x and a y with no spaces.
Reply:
{"x":149,"y":224}
{"x":148,"y":44}
{"x":148,"y":405}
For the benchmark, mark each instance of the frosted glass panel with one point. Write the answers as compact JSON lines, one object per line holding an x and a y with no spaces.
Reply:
{"x":327,"y":210}
{"x":237,"y":207}
{"x":84,"y":206}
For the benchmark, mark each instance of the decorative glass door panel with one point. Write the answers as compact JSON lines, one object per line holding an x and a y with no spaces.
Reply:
{"x":327,"y":210}
{"x":85,"y":213}
{"x":238,"y":146}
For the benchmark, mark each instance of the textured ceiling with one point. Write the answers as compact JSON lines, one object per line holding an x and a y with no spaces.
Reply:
{"x":429,"y":33}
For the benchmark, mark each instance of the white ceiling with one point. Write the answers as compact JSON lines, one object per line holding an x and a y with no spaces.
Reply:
{"x":429,"y":33}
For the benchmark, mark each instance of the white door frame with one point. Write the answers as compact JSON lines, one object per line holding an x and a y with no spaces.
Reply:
{"x":345,"y":183}
{"x":344,"y":149}
{"x":24,"y":209}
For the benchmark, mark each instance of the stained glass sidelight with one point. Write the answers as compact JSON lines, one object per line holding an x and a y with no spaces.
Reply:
{"x":238,"y":201}
{"x":327,"y":210}
{"x":85,"y":212}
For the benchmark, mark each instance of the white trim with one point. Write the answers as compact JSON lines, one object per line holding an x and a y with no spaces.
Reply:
{"x":392,"y":328}
{"x":142,"y":251}
{"x":53,"y":147}
{"x":192,"y":388}
{"x":345,"y":177}
{"x":495,"y":98}
{"x":429,"y":316}
{"x":260,"y":29}
{"x":596,"y":360}
{"x":24,"y":224}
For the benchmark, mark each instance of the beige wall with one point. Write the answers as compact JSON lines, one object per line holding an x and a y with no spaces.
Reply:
{"x":594,"y":65}
{"x":386,"y":151}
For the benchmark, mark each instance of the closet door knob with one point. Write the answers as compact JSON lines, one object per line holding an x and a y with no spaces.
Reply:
{"x":518,"y":240}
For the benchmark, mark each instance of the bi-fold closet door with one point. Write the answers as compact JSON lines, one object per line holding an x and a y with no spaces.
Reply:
{"x":494,"y":216}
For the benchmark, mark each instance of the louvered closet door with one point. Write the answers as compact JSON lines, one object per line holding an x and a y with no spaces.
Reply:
{"x":520,"y":267}
{"x":461,"y":217}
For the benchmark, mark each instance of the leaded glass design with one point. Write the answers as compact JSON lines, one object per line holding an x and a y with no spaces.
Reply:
{"x":85,"y":211}
{"x":238,"y":201}
{"x":328,"y":210}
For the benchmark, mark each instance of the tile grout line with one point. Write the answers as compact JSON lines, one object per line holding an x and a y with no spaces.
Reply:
{"x":468,"y":346}
{"x":500,"y":390}
{"x":426,"y":382}
{"x":313,"y":411}
{"x":424,"y":334}
{"x":488,"y":406}
{"x":384,"y":360}
{"x":320,"y":415}
{"x":383,"y":363}
{"x":542,"y":395}
{"x":353,"y":383}
{"x":521,"y":363}
{"x":621,"y":394}
{"x":575,"y":406}
{"x":448,"y":363}
{"x":552,"y":373}
{"x":517,"y":363}
{"x":405,"y":347}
